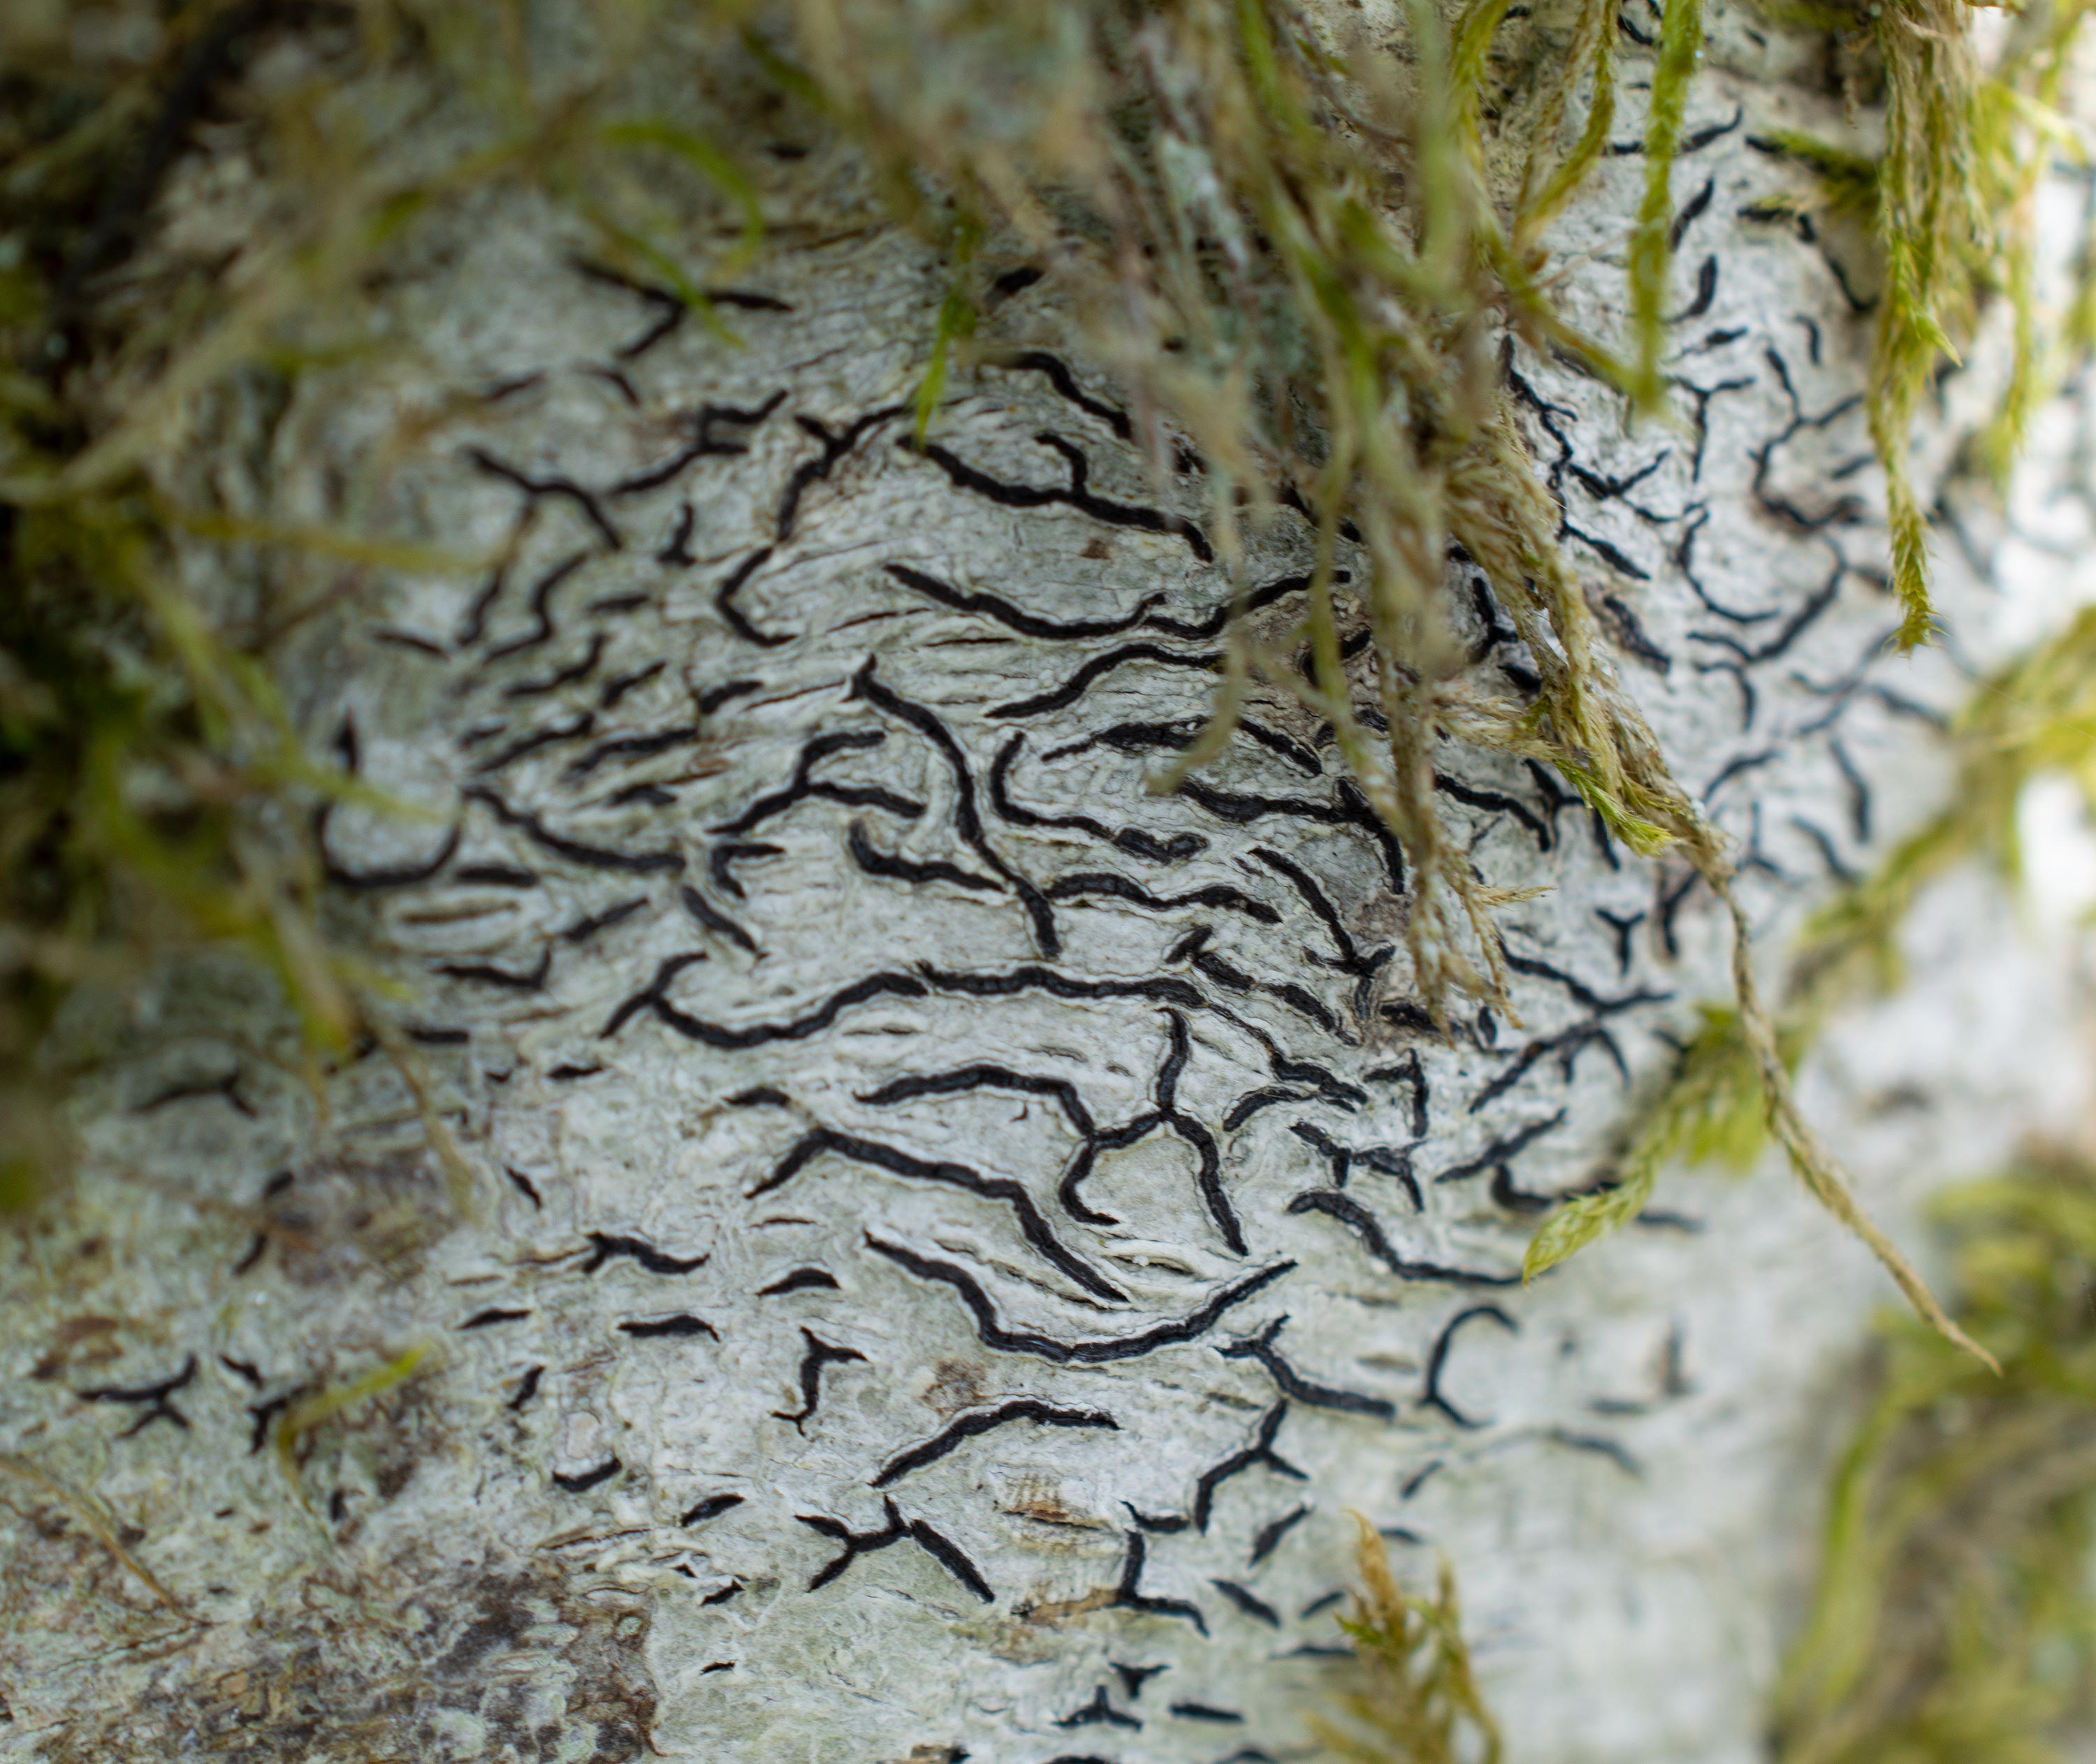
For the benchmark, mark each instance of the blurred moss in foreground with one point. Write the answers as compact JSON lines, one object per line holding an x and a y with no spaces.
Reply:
{"x":1955,"y":1618}
{"x":1416,"y":1701}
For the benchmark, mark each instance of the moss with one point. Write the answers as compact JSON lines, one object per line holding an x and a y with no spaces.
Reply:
{"x":320,"y":1407}
{"x":2034,"y":718}
{"x":1710,"y":1110}
{"x":1297,"y":248}
{"x":1415,"y":1699}
{"x":1950,"y":202}
{"x":1954,"y":1617}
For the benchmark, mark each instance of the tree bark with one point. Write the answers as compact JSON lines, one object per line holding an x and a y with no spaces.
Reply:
{"x":947,"y":1234}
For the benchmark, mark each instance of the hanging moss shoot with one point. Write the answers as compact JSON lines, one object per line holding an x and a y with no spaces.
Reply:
{"x":895,"y":879}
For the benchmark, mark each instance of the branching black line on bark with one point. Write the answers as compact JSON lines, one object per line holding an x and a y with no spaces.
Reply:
{"x":1209,"y":1177}
{"x":584,"y":929}
{"x":810,"y":473}
{"x":1364,"y":1226}
{"x":571,"y":674}
{"x":1235,"y":979}
{"x":536,"y":490}
{"x":714,"y":697}
{"x":722,"y":857}
{"x":827,"y":1141}
{"x":968,"y":821}
{"x":1408,"y":1071}
{"x":975,"y":1425}
{"x":1352,"y":810}
{"x":1190,"y":1327}
{"x":1069,"y":1191}
{"x":703,"y":444}
{"x":1131,"y":840}
{"x":1218,"y":895}
{"x":1065,"y":383}
{"x":891,"y":867}
{"x":804,"y":785}
{"x":371,"y":881}
{"x":1260,"y":1451}
{"x":498,"y":875}
{"x":732,"y":615}
{"x":1567,"y":1045}
{"x":1206,"y":629}
{"x":1538,"y":969}
{"x":856,"y":1543}
{"x":712,"y":919}
{"x":632,"y":747}
{"x":1032,"y":977}
{"x":622,"y":685}
{"x":799,"y":1028}
{"x":1290,"y":1070}
{"x":589,"y":857}
{"x":1096,"y":1711}
{"x":1314,"y":898}
{"x":542,"y":630}
{"x":683,"y":1325}
{"x":1736,"y":765}
{"x":818,"y":1354}
{"x":1128,"y":1595}
{"x":1253,"y":1101}
{"x":1502,"y":1151}
{"x":1016,"y":618}
{"x":1073,"y":688}
{"x":578,"y":727}
{"x":1207,"y":1712}
{"x":1497,"y":800}
{"x":149,"y":1399}
{"x":1133,"y":1678}
{"x":1292,"y":1383}
{"x":1249,"y":1602}
{"x":487,"y":974}
{"x":1077,"y":494}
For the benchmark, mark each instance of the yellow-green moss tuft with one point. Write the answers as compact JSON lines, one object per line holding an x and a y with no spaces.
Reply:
{"x":1955,"y":1618}
{"x":1415,"y":1699}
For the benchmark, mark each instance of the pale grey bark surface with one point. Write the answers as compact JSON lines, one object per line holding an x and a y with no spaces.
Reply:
{"x":954,"y":1234}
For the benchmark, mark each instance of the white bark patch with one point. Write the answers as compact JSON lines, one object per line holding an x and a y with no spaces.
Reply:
{"x":955,"y":1232}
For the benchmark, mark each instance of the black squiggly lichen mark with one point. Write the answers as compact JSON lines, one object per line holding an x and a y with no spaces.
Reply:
{"x":151,"y":1400}
{"x":973,"y":1426}
{"x":941,"y":1549}
{"x":818,"y":1354}
{"x":1260,"y":1348}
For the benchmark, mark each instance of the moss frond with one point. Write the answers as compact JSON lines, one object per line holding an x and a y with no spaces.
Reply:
{"x":1680,"y":50}
{"x":1710,"y":1110}
{"x":1417,"y":1701}
{"x":1950,"y":204}
{"x":320,"y":1407}
{"x":1297,"y":246}
{"x":1954,"y":1617}
{"x":2035,"y":717}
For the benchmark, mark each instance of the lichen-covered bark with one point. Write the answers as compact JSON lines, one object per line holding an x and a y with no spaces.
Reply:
{"x":948,"y":1234}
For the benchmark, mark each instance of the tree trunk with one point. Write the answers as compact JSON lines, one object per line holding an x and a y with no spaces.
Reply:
{"x":943,"y":1235}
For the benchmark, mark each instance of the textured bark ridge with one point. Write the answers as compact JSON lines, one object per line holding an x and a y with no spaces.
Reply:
{"x":952,"y":1231}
